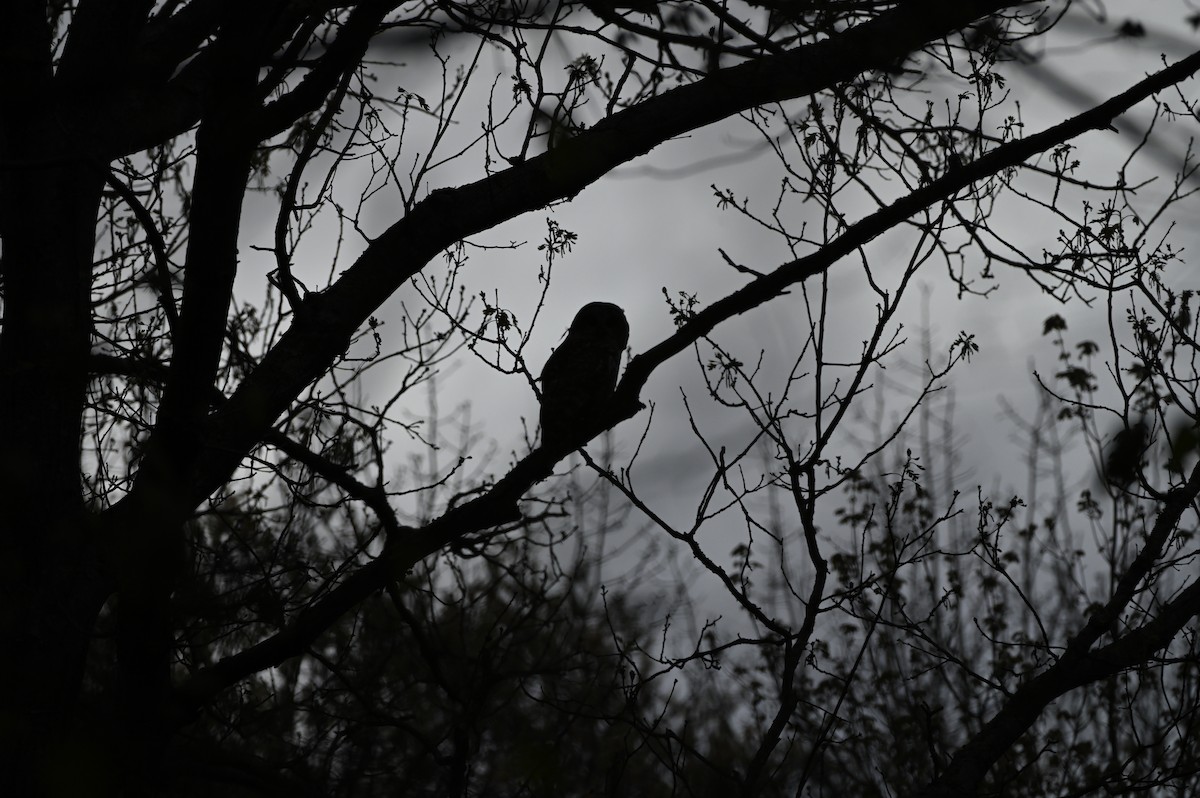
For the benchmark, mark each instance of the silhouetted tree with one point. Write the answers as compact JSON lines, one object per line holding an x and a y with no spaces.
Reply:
{"x":223,"y":577}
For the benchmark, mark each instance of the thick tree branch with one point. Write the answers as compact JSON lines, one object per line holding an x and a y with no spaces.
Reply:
{"x":146,"y":548}
{"x":25,"y":74}
{"x":343,"y":55}
{"x":168,"y":41}
{"x":159,"y":107}
{"x":100,"y":47}
{"x":223,"y":163}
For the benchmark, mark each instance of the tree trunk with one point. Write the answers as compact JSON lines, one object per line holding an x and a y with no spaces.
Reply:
{"x":53,"y":586}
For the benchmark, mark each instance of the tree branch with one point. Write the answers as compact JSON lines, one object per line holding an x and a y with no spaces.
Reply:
{"x":1077,"y":666}
{"x":870,"y":227}
{"x":343,"y":55}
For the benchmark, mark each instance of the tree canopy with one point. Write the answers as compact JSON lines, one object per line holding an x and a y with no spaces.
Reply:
{"x":254,"y":545}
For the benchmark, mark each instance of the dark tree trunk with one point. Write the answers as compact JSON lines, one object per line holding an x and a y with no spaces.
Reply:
{"x":52,"y":587}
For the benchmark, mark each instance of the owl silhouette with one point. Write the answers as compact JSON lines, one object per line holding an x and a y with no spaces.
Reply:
{"x":1125,"y":454}
{"x":581,"y":374}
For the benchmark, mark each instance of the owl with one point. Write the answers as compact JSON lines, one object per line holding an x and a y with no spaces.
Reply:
{"x":580,"y":376}
{"x":1125,"y":454}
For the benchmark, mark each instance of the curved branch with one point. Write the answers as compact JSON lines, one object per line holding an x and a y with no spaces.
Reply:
{"x":158,"y":247}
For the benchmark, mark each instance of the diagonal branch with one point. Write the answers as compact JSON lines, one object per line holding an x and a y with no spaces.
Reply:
{"x":870,"y":227}
{"x":342,"y":58}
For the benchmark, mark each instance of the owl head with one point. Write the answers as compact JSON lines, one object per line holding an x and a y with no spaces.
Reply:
{"x":602,"y":323}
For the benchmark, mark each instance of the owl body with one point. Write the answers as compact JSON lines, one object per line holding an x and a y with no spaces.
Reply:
{"x":1125,"y":455}
{"x":580,"y":376}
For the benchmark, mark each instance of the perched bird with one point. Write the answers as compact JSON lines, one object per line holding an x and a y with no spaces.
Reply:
{"x":1184,"y":443}
{"x":580,"y":376}
{"x":1124,"y":457}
